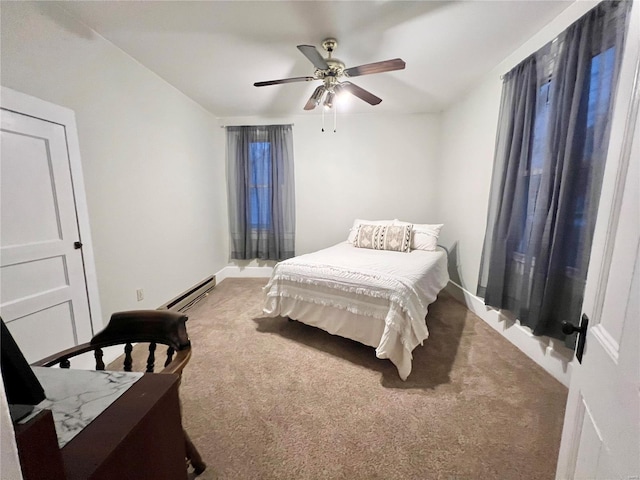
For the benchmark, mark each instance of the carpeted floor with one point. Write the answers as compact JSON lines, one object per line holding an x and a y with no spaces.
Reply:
{"x":267,"y":398}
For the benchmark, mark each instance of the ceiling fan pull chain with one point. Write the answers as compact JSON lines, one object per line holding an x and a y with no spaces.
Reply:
{"x":323,"y":119}
{"x":335,"y":118}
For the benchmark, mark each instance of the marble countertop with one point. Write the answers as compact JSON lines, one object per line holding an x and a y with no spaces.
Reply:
{"x":77,"y":397}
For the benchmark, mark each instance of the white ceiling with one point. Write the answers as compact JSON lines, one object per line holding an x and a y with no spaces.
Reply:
{"x":214,"y":51}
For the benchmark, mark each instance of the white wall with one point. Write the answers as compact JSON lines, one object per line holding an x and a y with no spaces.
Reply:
{"x":154,"y":180}
{"x":373,"y":167}
{"x":468,"y":137}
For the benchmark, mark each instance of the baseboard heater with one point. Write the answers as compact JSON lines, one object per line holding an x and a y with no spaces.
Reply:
{"x":190,"y":297}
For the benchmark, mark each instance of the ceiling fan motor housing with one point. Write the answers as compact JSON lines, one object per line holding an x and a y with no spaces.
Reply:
{"x":330,"y":75}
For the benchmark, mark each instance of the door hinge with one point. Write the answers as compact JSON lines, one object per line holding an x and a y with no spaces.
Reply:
{"x":77,"y":245}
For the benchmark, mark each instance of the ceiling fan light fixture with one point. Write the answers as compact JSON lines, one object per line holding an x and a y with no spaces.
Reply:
{"x":316,"y":96}
{"x":341,"y":92}
{"x":328,"y":100}
{"x":342,"y":98}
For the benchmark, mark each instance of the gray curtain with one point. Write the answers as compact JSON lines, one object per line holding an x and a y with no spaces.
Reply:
{"x":261,"y":192}
{"x":550,"y":154}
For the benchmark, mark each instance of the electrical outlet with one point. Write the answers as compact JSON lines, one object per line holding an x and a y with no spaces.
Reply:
{"x":140,"y":294}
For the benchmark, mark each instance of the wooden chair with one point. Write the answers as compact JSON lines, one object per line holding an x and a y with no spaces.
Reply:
{"x":140,"y":326}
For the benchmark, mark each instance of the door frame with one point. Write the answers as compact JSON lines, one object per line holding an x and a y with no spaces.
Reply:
{"x":34,"y":107}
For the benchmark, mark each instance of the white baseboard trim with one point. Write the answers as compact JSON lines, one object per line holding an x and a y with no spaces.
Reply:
{"x":549,"y":353}
{"x":233,"y":271}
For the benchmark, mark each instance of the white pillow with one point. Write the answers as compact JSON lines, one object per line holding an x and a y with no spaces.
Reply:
{"x":425,"y":236}
{"x":357,"y":222}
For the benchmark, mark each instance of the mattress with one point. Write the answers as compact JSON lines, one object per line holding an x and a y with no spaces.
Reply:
{"x":377,"y":297}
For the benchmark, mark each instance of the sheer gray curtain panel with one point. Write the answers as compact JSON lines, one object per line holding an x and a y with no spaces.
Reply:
{"x":550,"y":154}
{"x":261,"y":192}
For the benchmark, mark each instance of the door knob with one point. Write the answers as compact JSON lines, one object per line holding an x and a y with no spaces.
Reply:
{"x":570,"y":328}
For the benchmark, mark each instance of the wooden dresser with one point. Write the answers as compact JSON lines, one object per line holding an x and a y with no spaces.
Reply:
{"x":139,"y":436}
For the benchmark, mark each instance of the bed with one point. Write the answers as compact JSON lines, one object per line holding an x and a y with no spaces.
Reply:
{"x":376,"y":297}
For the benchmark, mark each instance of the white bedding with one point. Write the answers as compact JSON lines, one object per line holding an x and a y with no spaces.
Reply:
{"x":376,"y":297}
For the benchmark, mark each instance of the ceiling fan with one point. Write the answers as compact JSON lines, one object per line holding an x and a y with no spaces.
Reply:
{"x":332,"y":71}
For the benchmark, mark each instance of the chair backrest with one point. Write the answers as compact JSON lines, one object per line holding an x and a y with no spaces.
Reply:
{"x":128,"y":328}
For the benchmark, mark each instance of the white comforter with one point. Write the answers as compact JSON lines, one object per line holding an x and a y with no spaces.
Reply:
{"x":393,"y":287}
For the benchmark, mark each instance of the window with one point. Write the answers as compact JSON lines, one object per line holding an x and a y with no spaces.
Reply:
{"x":597,"y":91}
{"x":261,"y":192}
{"x":598,"y":100}
{"x":553,"y":137}
{"x":260,"y":189}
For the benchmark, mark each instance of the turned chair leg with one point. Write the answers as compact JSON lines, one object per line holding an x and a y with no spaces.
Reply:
{"x":193,"y":455}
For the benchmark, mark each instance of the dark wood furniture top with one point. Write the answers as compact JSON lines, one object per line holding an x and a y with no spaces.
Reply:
{"x":139,"y":436}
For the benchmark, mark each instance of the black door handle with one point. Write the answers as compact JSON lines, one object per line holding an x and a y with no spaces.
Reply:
{"x":570,"y":328}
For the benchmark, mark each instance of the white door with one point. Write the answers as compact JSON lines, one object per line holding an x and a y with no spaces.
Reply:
{"x":601,"y":435}
{"x":43,"y":294}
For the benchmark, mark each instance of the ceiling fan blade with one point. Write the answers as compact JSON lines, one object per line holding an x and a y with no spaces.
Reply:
{"x":377,"y":67}
{"x":361,"y":93}
{"x":314,"y":56}
{"x":283,"y":80}
{"x":315,"y":98}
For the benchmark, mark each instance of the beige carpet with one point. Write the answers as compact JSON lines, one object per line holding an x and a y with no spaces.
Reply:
{"x":267,"y":398}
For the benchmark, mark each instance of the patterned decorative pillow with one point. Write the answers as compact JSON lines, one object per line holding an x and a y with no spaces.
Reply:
{"x":384,"y":237}
{"x":357,"y":222}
